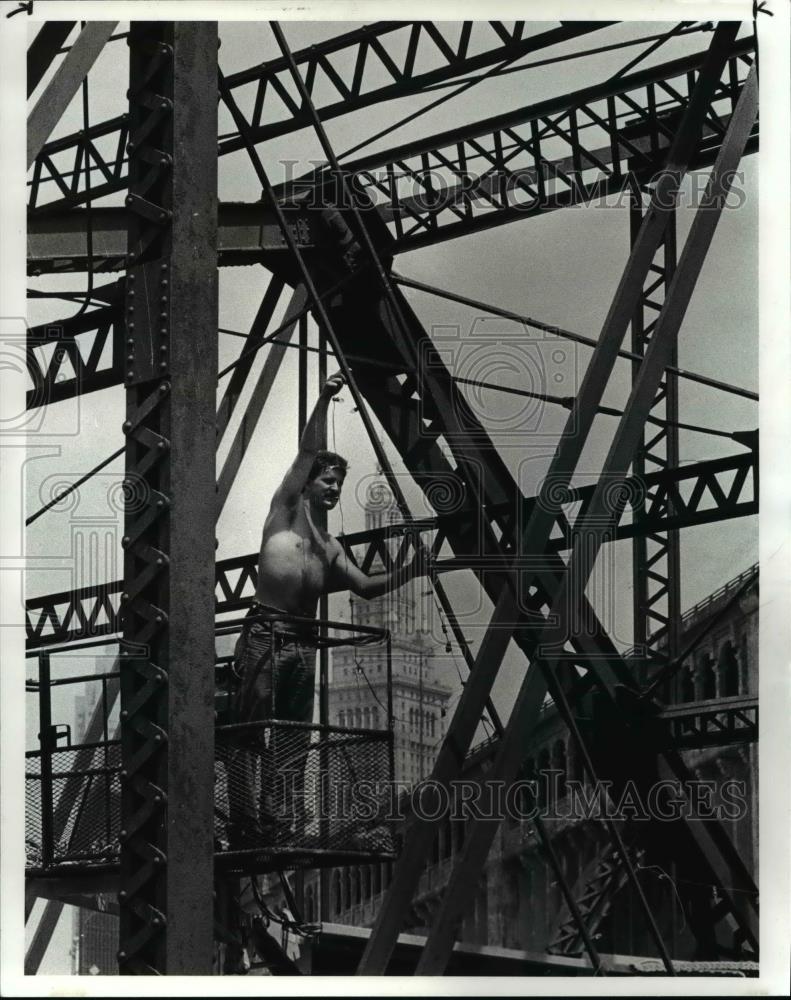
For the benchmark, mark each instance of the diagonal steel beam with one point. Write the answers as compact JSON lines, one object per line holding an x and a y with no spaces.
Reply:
{"x":233,"y":389}
{"x":258,"y":400}
{"x":43,"y":49}
{"x":64,"y":84}
{"x":599,"y":522}
{"x":535,"y":537}
{"x":43,"y":935}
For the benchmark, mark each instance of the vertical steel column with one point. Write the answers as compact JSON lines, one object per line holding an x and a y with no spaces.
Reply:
{"x":656,"y":556}
{"x":302,"y":418}
{"x":324,"y":692}
{"x":167,"y":666}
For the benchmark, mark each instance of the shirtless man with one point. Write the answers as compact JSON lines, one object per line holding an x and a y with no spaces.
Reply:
{"x":299,"y":561}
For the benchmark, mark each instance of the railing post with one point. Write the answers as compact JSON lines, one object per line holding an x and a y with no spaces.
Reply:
{"x":45,"y":743}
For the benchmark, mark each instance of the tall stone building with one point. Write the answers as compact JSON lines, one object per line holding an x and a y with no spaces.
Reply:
{"x":358,"y":688}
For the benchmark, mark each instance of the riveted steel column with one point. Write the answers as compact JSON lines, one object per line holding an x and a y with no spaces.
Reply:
{"x":167,"y":673}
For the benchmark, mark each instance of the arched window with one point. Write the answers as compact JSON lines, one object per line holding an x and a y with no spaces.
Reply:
{"x":347,"y":888}
{"x":357,"y":886}
{"x":336,"y":891}
{"x":367,"y":717}
{"x":358,"y":718}
{"x":367,"y":882}
{"x":377,"y":879}
{"x":707,"y":678}
{"x":687,"y":687}
{"x":728,"y":671}
{"x":341,"y":718}
{"x":375,"y":719}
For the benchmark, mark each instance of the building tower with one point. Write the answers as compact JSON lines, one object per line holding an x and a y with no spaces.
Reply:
{"x":358,"y":689}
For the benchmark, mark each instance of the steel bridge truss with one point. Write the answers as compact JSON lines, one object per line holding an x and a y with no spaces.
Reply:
{"x":154,"y":331}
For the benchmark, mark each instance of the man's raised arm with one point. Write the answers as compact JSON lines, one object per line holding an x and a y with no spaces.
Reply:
{"x":310,"y":443}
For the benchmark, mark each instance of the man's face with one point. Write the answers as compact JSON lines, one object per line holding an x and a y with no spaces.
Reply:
{"x":324,"y":491}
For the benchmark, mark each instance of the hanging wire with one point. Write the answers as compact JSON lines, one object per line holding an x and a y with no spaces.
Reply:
{"x":566,"y":334}
{"x":289,"y":322}
{"x":656,"y":43}
{"x":74,"y":486}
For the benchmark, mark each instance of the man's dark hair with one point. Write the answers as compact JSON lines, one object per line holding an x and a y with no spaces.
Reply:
{"x":327,"y":460}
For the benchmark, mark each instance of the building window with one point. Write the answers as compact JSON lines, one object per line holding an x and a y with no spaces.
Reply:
{"x":687,"y":692}
{"x":707,"y":678}
{"x":336,"y":891}
{"x":728,"y":671}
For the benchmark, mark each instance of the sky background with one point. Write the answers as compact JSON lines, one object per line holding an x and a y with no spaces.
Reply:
{"x":561,"y":268}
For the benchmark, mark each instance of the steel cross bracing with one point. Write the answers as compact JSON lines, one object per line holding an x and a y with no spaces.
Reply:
{"x":411,"y":54}
{"x":701,"y":493}
{"x":656,"y":571}
{"x":424,"y":417}
{"x":562,"y":152}
{"x":419,"y":835}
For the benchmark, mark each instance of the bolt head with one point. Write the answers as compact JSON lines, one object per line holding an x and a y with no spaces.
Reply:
{"x":129,"y":199}
{"x":121,"y":954}
{"x":122,"y":835}
{"x":126,"y":426}
{"x":130,"y":357}
{"x":163,"y":365}
{"x":125,"y":540}
{"x":125,"y":714}
{"x":122,"y":895}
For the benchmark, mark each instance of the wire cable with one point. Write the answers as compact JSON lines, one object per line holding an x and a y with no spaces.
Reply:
{"x":566,"y":334}
{"x":74,"y":486}
{"x":659,"y":41}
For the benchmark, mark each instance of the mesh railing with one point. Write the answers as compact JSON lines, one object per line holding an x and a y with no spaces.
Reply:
{"x":82,"y":797}
{"x":289,"y":789}
{"x":286,"y":795}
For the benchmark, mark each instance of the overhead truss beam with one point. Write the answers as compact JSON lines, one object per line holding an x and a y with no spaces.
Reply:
{"x":704,"y":493}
